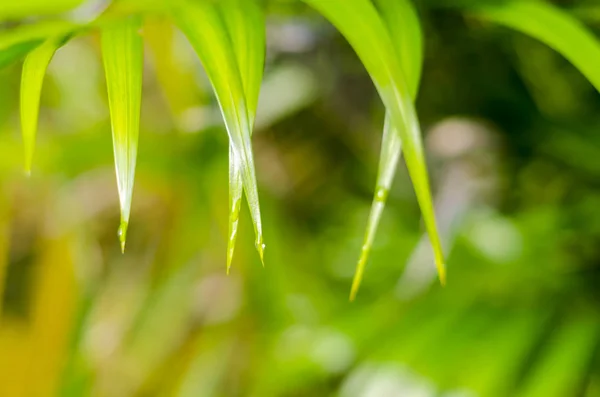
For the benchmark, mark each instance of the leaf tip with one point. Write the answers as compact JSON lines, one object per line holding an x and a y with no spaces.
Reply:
{"x":360,"y":269}
{"x":230,"y":248}
{"x":28,"y":163}
{"x":122,"y":233}
{"x":233,"y":223}
{"x":353,"y":293}
{"x":260,"y":247}
{"x":442,"y":274}
{"x":441,"y":268}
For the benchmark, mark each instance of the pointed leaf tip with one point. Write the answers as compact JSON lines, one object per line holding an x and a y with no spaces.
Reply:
{"x":386,"y":35}
{"x":122,"y":233}
{"x":441,"y":268}
{"x":391,"y":147}
{"x":230,"y":249}
{"x":233,"y":226}
{"x":236,"y":190}
{"x":229,"y":39}
{"x":260,"y":247}
{"x":245,"y":24}
{"x":122,"y":52}
{"x":360,"y":269}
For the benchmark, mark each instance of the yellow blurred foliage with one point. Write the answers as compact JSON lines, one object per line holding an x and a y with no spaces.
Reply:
{"x":33,"y":352}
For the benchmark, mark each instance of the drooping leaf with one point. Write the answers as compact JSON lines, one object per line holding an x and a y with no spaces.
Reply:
{"x":204,"y":25}
{"x":391,"y":149}
{"x":122,"y":52}
{"x":550,"y":25}
{"x":246,"y":25}
{"x":403,"y":24}
{"x":245,"y":22}
{"x":32,"y":78}
{"x":360,"y":23}
{"x":402,"y":21}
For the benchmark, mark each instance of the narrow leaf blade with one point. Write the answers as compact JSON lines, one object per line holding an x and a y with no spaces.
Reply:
{"x":360,"y":23}
{"x":16,"y":51}
{"x":17,"y":42}
{"x":236,"y":189}
{"x":32,"y":78}
{"x":402,"y":21}
{"x":122,"y":51}
{"x":27,"y":8}
{"x":391,"y":148}
{"x":403,"y":24}
{"x":207,"y":31}
{"x":550,"y":25}
{"x":245,"y":22}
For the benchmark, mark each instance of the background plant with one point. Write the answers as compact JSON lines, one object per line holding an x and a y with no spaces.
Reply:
{"x":515,"y":202}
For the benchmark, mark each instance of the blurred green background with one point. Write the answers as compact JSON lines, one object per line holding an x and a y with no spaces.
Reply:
{"x":514,"y":152}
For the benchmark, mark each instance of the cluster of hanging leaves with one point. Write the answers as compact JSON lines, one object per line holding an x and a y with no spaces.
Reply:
{"x":229,"y":38}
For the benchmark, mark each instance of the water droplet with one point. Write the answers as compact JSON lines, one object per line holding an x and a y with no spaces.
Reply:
{"x":260,"y":247}
{"x":381,"y":194}
{"x":122,"y":233}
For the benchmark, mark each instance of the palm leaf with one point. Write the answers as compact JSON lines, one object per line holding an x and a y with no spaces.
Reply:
{"x":123,"y":63}
{"x":246,"y":26}
{"x":16,"y":51}
{"x":550,"y":25}
{"x":27,"y":8}
{"x":360,"y":23}
{"x":236,"y":188}
{"x":403,"y":24}
{"x":17,"y":42}
{"x":32,"y":78}
{"x":219,"y":50}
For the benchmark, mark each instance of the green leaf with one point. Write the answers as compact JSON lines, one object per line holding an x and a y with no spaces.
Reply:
{"x":17,"y":51}
{"x":32,"y":78}
{"x":391,"y":149}
{"x":402,"y":21}
{"x":403,"y":24}
{"x":122,"y":52}
{"x":361,"y":24}
{"x":18,"y":42}
{"x":246,"y":25}
{"x":236,"y":188}
{"x":245,"y":22}
{"x":227,"y":52}
{"x":27,"y":8}
{"x":550,"y":25}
